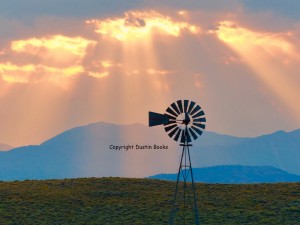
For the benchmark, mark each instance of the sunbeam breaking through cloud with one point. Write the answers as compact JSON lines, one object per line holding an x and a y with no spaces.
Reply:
{"x":60,"y":70}
{"x":272,"y":57}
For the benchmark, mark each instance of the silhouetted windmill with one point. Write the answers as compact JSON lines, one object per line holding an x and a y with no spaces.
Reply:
{"x":184,"y":121}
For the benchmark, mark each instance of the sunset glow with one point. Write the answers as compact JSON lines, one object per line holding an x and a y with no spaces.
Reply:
{"x":74,"y":45}
{"x":265,"y":53}
{"x":140,"y":24}
{"x":59,"y":71}
{"x":234,"y":34}
{"x":35,"y":73}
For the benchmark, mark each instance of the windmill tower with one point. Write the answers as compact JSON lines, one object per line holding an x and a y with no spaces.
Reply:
{"x":184,"y":121}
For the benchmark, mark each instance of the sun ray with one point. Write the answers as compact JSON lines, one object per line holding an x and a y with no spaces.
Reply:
{"x":141,"y":77}
{"x":115,"y":73}
{"x":136,"y":34}
{"x":265,"y":53}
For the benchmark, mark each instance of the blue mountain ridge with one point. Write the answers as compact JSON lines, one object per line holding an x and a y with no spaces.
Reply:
{"x":5,"y":147}
{"x":235,"y":174}
{"x":280,"y":149}
{"x":85,"y":152}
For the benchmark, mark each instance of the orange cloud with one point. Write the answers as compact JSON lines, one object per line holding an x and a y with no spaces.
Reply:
{"x":75,"y":45}
{"x":139,"y":25}
{"x":107,"y":64}
{"x":35,"y":73}
{"x":182,"y":12}
{"x":158,"y":72}
{"x":244,"y":38}
{"x":98,"y":75}
{"x":57,"y":57}
{"x":56,"y":50}
{"x":16,"y":74}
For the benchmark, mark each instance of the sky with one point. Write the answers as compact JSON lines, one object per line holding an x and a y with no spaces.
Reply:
{"x":67,"y":63}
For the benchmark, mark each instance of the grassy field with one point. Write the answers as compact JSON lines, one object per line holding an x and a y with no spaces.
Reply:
{"x":143,"y":201}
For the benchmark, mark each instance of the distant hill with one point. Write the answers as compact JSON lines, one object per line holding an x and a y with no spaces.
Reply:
{"x":4,"y":147}
{"x":280,"y":149}
{"x":86,"y":151}
{"x":236,"y":175}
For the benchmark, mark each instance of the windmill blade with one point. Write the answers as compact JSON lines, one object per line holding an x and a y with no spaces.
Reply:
{"x":196,"y":109}
{"x":185,"y":105}
{"x":169,"y":110}
{"x":156,"y":119}
{"x":201,"y":120}
{"x":197,"y":130}
{"x":178,"y":134}
{"x":167,"y":129}
{"x":201,"y":113}
{"x":193,"y":133}
{"x":191,"y":107}
{"x":171,"y":134}
{"x":179,"y":102}
{"x":170,"y":117}
{"x":200,"y":125}
{"x":174,"y":106}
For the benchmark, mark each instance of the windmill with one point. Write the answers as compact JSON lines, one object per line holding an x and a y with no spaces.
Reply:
{"x":184,"y":121}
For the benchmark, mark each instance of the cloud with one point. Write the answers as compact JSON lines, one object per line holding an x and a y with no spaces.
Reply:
{"x":55,"y":56}
{"x":56,"y":49}
{"x":35,"y":73}
{"x":140,"y":24}
{"x":74,"y":45}
{"x":132,"y":21}
{"x":98,"y":75}
{"x":46,"y":58}
{"x":234,"y":34}
{"x":67,"y":63}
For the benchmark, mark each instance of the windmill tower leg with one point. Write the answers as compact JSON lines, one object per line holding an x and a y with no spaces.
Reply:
{"x":196,"y":214}
{"x":174,"y":205}
{"x":184,"y":171}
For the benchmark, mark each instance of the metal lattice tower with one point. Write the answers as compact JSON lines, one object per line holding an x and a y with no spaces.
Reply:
{"x":184,"y":121}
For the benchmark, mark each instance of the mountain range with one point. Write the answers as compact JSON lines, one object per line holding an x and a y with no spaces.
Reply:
{"x":4,"y":147}
{"x":235,"y":175}
{"x":280,"y":149}
{"x":90,"y":150}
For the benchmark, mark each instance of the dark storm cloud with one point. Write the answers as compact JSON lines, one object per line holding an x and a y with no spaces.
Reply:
{"x":135,"y":22}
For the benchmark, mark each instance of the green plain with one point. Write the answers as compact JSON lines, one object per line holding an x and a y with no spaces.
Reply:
{"x":113,"y":201}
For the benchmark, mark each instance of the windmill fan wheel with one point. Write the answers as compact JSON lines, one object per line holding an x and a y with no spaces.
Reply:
{"x":186,"y":121}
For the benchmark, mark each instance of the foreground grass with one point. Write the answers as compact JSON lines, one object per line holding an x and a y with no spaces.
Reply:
{"x":143,"y":201}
